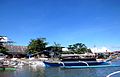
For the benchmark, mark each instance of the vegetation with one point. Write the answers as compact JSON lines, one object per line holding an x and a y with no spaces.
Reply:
{"x":78,"y":48}
{"x":56,"y":49}
{"x":36,"y":45}
{"x":39,"y":45}
{"x":2,"y":48}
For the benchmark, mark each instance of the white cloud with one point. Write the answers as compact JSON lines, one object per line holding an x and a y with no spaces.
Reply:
{"x":100,"y":50}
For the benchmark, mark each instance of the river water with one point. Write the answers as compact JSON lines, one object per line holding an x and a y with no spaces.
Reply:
{"x":28,"y":71}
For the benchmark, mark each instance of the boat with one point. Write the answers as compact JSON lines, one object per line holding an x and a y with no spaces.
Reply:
{"x":6,"y":65}
{"x":3,"y":68}
{"x":75,"y":61}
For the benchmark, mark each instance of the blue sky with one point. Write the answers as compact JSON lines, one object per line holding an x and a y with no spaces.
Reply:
{"x":92,"y":22}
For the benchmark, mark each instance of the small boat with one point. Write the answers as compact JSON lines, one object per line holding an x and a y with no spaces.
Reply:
{"x":3,"y":68}
{"x":6,"y":65}
{"x":75,"y":61}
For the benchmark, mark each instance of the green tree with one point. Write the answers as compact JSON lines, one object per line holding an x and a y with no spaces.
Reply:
{"x":36,"y":45}
{"x":71,"y":47}
{"x":89,"y":51}
{"x":2,"y":48}
{"x":79,"y":48}
{"x":57,"y":49}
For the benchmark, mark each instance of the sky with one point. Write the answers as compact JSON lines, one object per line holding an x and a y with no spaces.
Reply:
{"x":92,"y":22}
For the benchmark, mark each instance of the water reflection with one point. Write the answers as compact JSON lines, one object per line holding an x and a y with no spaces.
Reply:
{"x":70,"y":72}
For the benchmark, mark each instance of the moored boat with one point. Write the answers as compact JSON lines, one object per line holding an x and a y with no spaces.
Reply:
{"x":7,"y":68}
{"x":75,"y":61}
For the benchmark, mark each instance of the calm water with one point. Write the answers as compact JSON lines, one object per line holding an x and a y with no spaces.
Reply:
{"x":27,"y":71}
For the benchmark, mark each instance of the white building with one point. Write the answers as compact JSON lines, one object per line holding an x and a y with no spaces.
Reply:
{"x":65,"y":49}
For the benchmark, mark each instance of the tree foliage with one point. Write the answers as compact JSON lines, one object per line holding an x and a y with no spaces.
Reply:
{"x":36,"y":45}
{"x":79,"y":48}
{"x":3,"y":49}
{"x":55,"y":49}
{"x":39,"y":45}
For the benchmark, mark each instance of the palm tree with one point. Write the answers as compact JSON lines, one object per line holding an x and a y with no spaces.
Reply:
{"x":57,"y":49}
{"x":70,"y":47}
{"x":80,"y":45}
{"x":78,"y":48}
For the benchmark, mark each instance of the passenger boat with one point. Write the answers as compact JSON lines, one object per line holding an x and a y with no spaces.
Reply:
{"x":75,"y":61}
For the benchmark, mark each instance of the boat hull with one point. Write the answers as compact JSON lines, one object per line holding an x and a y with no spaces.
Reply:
{"x":57,"y":64}
{"x":7,"y":68}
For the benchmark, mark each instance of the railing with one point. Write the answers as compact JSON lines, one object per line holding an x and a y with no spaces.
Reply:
{"x":113,"y":73}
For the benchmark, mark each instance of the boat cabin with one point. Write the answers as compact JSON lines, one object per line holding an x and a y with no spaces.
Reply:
{"x":76,"y":58}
